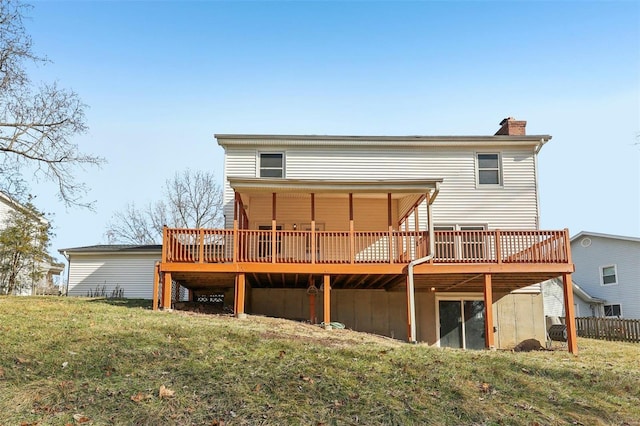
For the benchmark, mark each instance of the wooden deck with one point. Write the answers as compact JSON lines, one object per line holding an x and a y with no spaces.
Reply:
{"x":205,"y":246}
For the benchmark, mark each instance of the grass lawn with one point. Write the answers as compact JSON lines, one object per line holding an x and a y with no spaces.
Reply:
{"x":100,"y":362}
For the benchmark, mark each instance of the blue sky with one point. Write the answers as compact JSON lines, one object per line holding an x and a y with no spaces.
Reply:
{"x":161,"y":78}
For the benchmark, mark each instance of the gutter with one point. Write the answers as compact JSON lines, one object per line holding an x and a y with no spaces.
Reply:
{"x":410,"y":285}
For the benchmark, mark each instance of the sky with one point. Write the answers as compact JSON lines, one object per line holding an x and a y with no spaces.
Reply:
{"x":160,"y":78}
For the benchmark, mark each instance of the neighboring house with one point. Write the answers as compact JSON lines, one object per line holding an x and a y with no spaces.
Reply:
{"x":608,"y":267}
{"x":424,"y":238}
{"x":48,"y":283}
{"x":584,"y":304}
{"x":112,"y":270}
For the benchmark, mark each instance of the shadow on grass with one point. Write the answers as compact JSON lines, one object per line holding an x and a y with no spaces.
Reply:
{"x":124,"y":303}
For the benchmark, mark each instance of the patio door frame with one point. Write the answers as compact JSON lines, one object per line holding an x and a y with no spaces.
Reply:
{"x":460,"y":298}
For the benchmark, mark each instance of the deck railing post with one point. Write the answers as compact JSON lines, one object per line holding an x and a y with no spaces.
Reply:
{"x":498,"y":246}
{"x":390,"y":224}
{"x":201,"y":247}
{"x":165,"y":243}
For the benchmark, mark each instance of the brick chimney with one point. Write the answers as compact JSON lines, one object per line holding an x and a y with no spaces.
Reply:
{"x":512,"y":127}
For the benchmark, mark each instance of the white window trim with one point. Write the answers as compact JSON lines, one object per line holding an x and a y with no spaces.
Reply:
{"x":259,"y":163}
{"x":500,"y":183}
{"x":615,"y":270}
{"x":604,"y":310}
{"x":455,"y":297}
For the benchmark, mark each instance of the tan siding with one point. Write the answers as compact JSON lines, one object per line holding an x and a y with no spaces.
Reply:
{"x":133,"y":273}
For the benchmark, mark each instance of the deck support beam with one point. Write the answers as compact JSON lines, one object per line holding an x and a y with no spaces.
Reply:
{"x":166,"y":290}
{"x":488,"y":313}
{"x":326,"y":286}
{"x":570,"y":316}
{"x":240,"y":293}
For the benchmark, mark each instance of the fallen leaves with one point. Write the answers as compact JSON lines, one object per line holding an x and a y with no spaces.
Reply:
{"x":165,"y":392}
{"x":139,"y":397}
{"x":81,"y":418}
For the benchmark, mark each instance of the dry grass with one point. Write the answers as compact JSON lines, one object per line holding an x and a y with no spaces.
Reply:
{"x":92,"y":361}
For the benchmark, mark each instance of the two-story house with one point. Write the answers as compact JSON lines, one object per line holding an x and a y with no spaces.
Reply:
{"x":49,"y":271}
{"x":608,"y":267}
{"x":424,"y":238}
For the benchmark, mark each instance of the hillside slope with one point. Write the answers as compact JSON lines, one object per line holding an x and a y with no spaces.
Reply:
{"x":91,"y":361}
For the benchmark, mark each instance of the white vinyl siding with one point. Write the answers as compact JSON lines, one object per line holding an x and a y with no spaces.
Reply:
{"x":132,"y":272}
{"x":514,"y":206}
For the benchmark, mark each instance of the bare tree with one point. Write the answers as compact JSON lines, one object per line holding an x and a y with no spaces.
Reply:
{"x":37,"y":122}
{"x":191,"y":199}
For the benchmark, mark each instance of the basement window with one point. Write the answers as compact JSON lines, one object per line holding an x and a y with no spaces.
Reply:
{"x":489,"y":170}
{"x":613,"y":311}
{"x":271,"y":165}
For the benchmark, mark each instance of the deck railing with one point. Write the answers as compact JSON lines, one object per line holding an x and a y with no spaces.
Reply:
{"x":495,"y":246}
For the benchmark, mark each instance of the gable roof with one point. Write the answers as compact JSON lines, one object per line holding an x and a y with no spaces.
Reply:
{"x":596,"y":234}
{"x":113,"y":248}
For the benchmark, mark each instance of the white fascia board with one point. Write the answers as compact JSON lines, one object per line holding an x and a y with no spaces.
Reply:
{"x":333,"y":186}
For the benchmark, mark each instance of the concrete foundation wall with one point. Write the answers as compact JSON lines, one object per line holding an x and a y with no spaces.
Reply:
{"x":517,"y":316}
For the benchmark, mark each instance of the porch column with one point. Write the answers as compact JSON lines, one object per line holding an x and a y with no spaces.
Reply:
{"x":432,"y":241}
{"x":569,"y":314}
{"x":313,"y":228}
{"x":240,"y":287}
{"x":352,"y":246}
{"x":488,"y":313}
{"x":390,"y":224}
{"x":236,"y":204}
{"x":273,"y":228}
{"x":156,"y":284}
{"x":326,"y":285}
{"x":166,"y":290}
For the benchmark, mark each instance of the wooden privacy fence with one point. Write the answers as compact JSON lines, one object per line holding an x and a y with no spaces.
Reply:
{"x":625,"y":330}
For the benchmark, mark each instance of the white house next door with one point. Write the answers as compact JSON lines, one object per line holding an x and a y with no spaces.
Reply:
{"x":461,"y":323}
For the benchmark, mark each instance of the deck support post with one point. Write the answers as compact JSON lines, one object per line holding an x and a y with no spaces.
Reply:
{"x":326,"y":285}
{"x":166,"y":291}
{"x":236,"y":208}
{"x":240,"y":292}
{"x":156,"y":285}
{"x":569,"y":314}
{"x":488,"y":313}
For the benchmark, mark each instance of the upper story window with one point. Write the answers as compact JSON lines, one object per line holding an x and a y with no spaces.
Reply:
{"x":489,"y":170}
{"x":608,"y":275}
{"x":272,"y":164}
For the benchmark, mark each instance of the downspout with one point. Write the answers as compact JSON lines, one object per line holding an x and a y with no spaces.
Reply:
{"x":66,"y":256}
{"x":428,"y":257}
{"x":535,"y":169}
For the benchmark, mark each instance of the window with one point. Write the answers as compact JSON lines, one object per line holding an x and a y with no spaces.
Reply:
{"x":612,"y":311}
{"x":272,"y":165}
{"x":608,"y":275}
{"x":489,"y":169}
